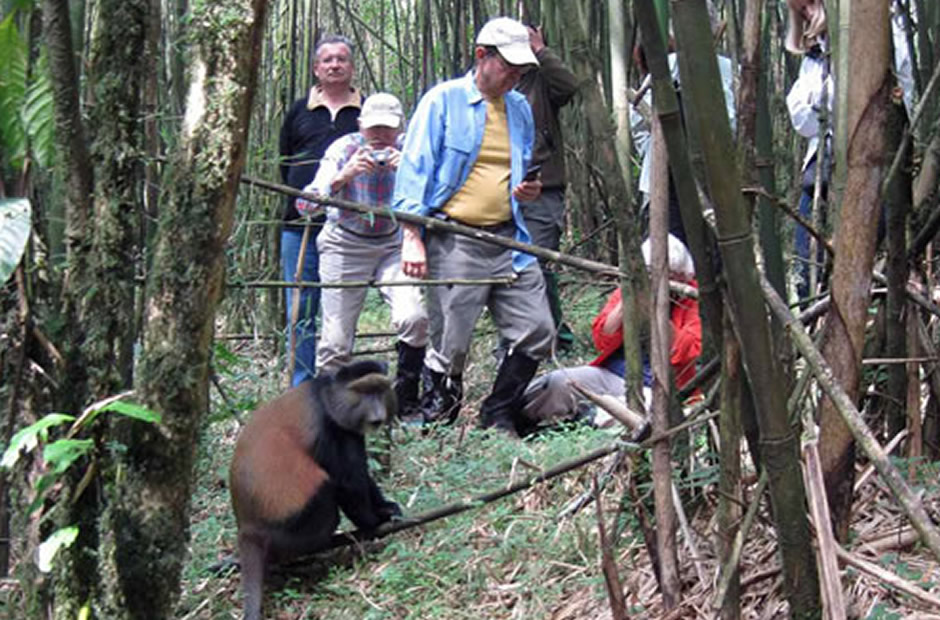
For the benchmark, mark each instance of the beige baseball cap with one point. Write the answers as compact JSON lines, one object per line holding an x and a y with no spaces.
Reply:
{"x":511,"y":38}
{"x":381,"y":109}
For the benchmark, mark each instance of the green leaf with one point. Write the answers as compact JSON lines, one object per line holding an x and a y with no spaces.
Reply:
{"x":59,"y":539}
{"x":131,"y":410}
{"x":15,"y":227}
{"x":62,"y":453}
{"x":39,"y":115}
{"x":45,"y":482}
{"x":12,"y":93}
{"x":28,"y":438}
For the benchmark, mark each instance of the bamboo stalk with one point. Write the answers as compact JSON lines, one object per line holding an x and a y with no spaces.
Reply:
{"x":833,"y":600}
{"x":295,"y":307}
{"x":889,"y":447}
{"x":887,"y":577}
{"x":614,"y":406}
{"x":730,"y":568}
{"x":697,"y":561}
{"x":909,"y":502}
{"x":370,"y":283}
{"x":437,"y":224}
{"x":618,"y":607}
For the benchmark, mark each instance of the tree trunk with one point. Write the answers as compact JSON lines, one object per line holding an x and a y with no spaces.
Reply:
{"x":150,"y":513}
{"x":106,"y":293}
{"x":699,"y":239}
{"x":70,"y":136}
{"x":730,"y":501}
{"x":866,"y":119}
{"x":779,"y":444}
{"x":660,"y":341}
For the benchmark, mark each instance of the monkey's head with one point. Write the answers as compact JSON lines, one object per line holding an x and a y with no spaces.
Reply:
{"x":362,"y":397}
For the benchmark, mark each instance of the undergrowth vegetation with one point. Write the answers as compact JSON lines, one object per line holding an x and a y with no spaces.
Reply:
{"x":513,"y":558}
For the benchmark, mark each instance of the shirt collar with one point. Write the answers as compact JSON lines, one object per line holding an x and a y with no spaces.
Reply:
{"x":470,"y":84}
{"x":315,"y":98}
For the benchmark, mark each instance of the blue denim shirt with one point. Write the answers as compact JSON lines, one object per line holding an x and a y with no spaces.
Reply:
{"x":442,"y":143}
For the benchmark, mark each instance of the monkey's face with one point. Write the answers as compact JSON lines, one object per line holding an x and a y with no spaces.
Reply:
{"x":365,"y":404}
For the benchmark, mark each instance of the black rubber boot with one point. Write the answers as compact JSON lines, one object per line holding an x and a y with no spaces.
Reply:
{"x":442,"y":397}
{"x":408,"y":379}
{"x":502,"y":409}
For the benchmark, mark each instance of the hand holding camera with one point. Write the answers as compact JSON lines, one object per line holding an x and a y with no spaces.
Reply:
{"x":387,"y":158}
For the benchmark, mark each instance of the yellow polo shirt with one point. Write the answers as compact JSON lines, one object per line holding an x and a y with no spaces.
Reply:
{"x":483,"y":200}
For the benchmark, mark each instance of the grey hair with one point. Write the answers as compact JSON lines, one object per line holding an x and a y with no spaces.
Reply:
{"x":330,"y":39}
{"x":680,"y":261}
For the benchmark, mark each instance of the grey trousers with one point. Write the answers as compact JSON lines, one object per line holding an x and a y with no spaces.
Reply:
{"x":520,"y":310}
{"x":551,"y":396}
{"x":545,"y":218}
{"x":346,"y":256}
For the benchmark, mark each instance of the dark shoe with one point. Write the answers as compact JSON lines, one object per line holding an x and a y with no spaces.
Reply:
{"x":502,"y":409}
{"x":442,"y":397}
{"x":408,"y":379}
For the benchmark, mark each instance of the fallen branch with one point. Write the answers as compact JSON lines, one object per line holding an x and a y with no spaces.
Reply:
{"x":887,"y":577}
{"x":832,"y":595}
{"x":341,"y":539}
{"x":895,"y":541}
{"x":432,"y":223}
{"x":366,"y":283}
{"x":889,"y":447}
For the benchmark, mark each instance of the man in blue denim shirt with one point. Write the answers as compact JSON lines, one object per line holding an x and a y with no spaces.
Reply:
{"x":464,"y":159}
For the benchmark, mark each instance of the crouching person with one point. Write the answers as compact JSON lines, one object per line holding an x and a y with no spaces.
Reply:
{"x":361,"y":167}
{"x":552,"y":397}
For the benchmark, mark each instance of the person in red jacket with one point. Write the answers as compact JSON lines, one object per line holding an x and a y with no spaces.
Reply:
{"x":551,"y":397}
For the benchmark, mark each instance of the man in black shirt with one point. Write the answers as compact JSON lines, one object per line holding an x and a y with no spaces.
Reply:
{"x":330,"y":110}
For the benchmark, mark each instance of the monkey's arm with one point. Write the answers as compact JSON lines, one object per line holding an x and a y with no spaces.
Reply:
{"x":386,"y":508}
{"x":359,"y":497}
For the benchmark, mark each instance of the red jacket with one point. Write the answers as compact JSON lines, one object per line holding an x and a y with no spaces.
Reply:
{"x":686,"y":335}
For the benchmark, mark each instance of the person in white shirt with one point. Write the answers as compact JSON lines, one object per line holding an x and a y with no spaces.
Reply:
{"x":812,"y":91}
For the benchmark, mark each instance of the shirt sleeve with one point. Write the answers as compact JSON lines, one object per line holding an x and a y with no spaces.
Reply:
{"x":331,"y":163}
{"x":561,"y":82}
{"x":902,"y":58}
{"x":285,"y":149}
{"x":805,"y":97}
{"x":686,"y":333}
{"x":605,"y":342}
{"x":419,"y":155}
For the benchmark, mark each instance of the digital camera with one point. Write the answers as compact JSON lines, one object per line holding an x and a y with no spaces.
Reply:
{"x":380,"y":157}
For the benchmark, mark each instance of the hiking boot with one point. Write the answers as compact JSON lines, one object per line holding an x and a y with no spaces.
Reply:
{"x":502,"y":409}
{"x":408,"y":379}
{"x":442,"y":397}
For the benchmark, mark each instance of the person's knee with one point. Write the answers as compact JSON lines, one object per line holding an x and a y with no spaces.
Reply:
{"x":411,"y":323}
{"x":538,"y":343}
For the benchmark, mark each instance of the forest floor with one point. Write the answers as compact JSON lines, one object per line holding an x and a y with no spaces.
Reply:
{"x":531,"y":554}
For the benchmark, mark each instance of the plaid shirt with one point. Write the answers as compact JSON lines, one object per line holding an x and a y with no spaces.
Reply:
{"x":372,"y":189}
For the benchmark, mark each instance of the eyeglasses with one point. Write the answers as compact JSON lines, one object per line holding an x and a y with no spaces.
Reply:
{"x":522,"y":69}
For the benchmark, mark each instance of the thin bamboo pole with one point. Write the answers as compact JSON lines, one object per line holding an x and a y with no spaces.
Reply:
{"x":368,"y":283}
{"x":295,"y":307}
{"x":833,"y":600}
{"x":436,"y":224}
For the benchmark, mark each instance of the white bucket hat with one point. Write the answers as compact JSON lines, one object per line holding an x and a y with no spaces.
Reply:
{"x":381,"y":109}
{"x":511,"y":38}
